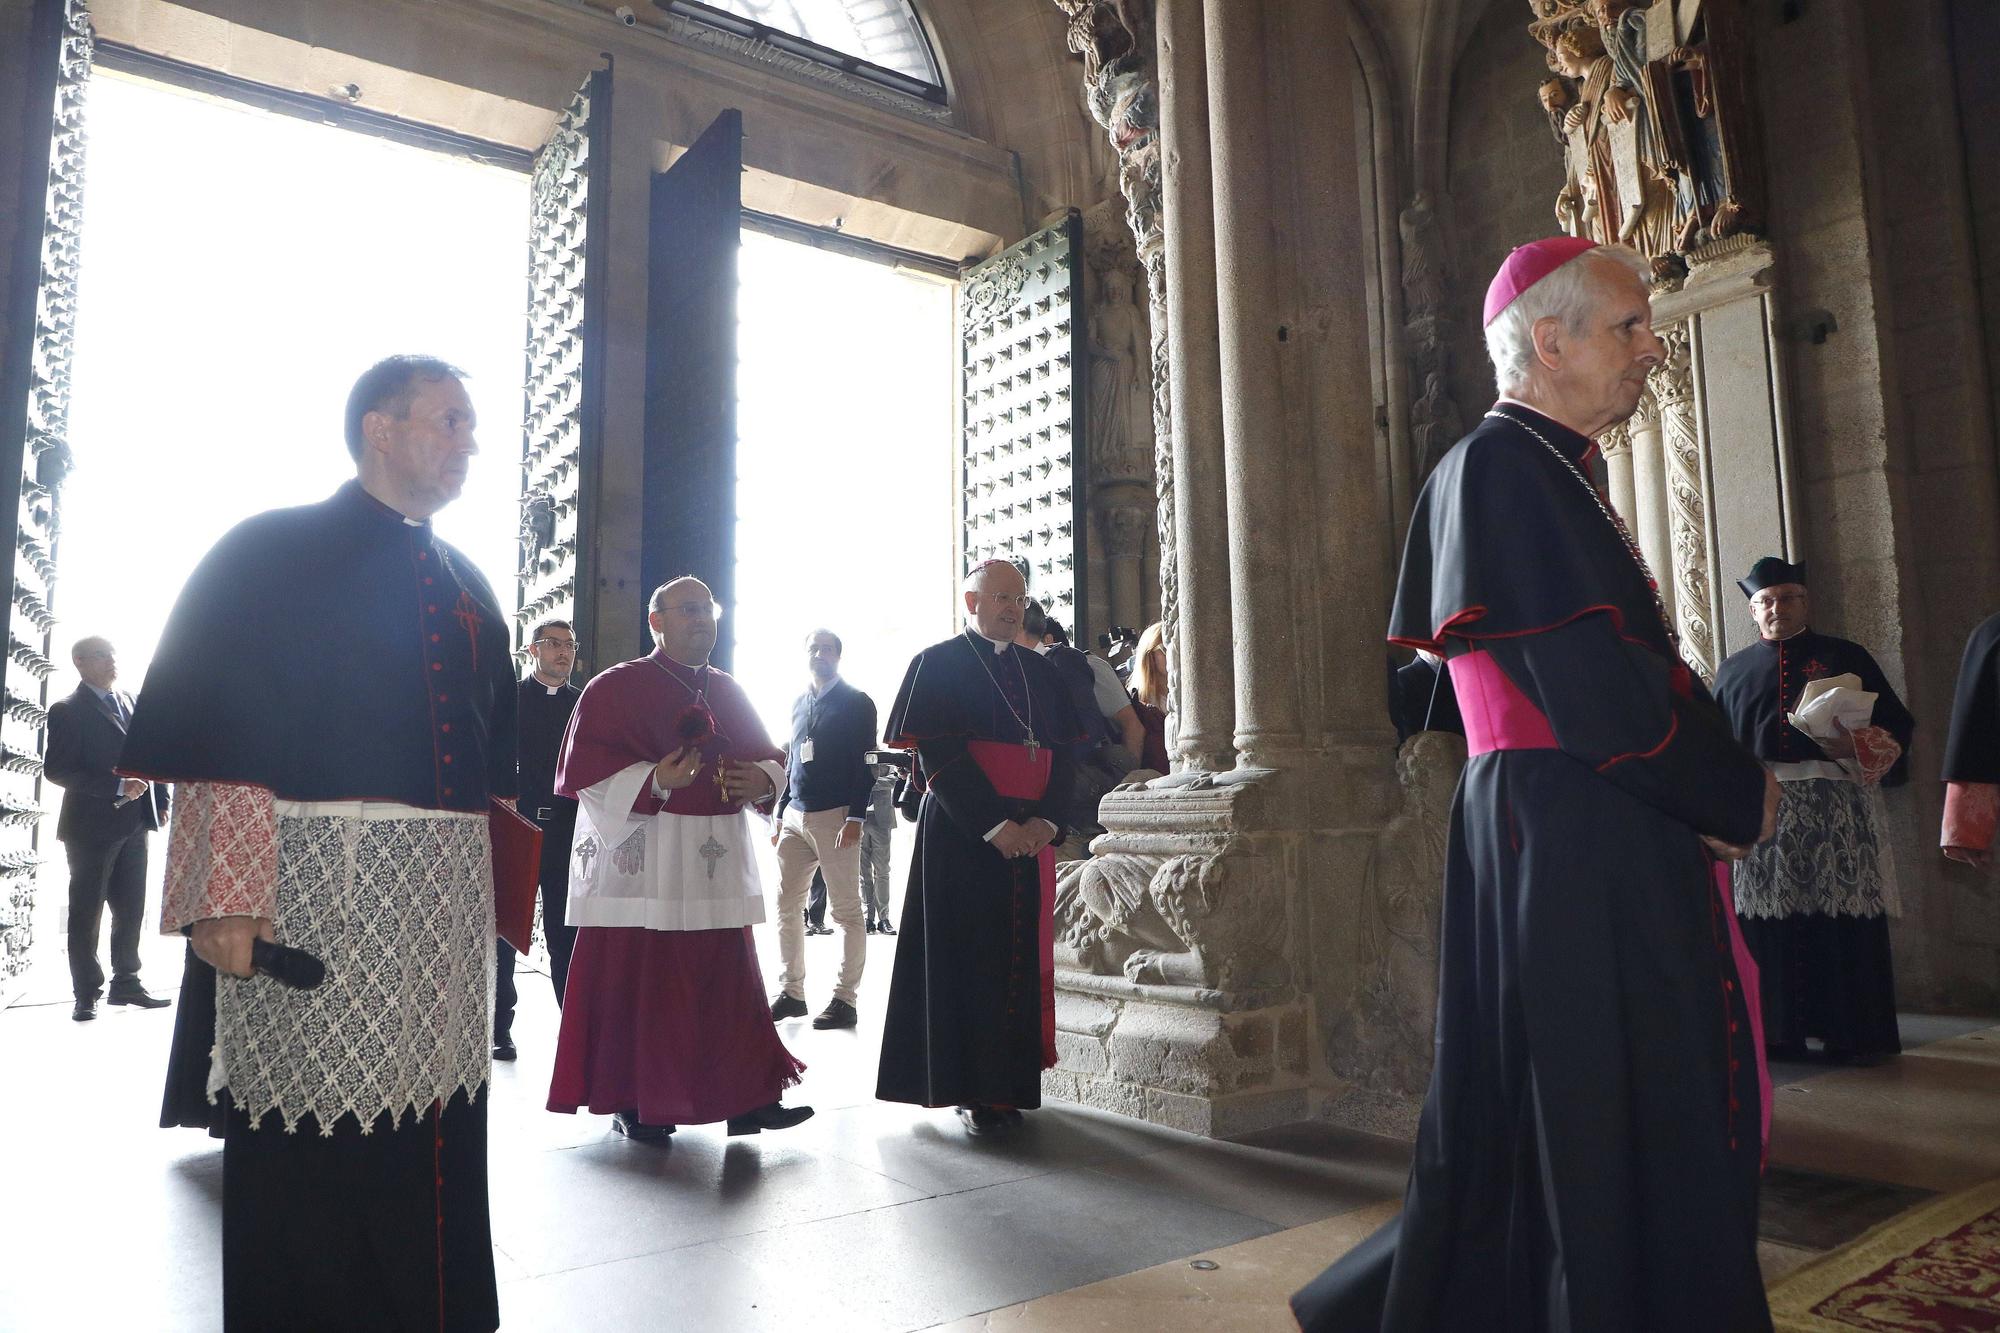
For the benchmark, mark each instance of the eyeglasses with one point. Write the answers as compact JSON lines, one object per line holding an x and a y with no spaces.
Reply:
{"x":1763,"y":603}
{"x":1005,"y":599}
{"x":569,"y":644}
{"x":690,"y":610}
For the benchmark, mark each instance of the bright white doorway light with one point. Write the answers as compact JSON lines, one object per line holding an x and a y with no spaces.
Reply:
{"x":844,"y":497}
{"x":239,"y":269}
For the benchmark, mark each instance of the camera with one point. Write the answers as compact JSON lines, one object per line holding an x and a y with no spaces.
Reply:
{"x":626,"y":16}
{"x":899,"y":759}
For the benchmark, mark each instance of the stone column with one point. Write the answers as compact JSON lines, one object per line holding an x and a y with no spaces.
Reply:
{"x":1256,"y":478}
{"x":1125,"y":528}
{"x":1201,"y":666}
{"x":1650,"y":499}
{"x":1616,"y":446}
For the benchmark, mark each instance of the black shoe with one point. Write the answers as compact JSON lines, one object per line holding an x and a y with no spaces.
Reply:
{"x":981,"y":1120}
{"x":135,"y":994}
{"x":629,"y":1124}
{"x":787,"y":1006}
{"x":884,"y":928}
{"x":837,"y":1014}
{"x":503,"y":1049}
{"x":776,"y":1115}
{"x":86,"y":1008}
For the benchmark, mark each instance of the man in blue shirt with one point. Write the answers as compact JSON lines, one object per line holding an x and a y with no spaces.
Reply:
{"x":820,"y":815}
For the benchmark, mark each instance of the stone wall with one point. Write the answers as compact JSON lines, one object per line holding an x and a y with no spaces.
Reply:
{"x":1975,"y":36}
{"x":1503,"y":171}
{"x":1893,"y":435}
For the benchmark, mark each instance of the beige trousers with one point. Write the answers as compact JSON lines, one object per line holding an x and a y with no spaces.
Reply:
{"x":806,"y":839}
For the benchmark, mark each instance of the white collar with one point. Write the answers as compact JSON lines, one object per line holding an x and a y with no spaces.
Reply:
{"x":813,"y":687}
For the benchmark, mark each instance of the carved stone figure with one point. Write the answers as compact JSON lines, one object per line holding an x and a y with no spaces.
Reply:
{"x":1435,"y":424}
{"x":1116,"y":922}
{"x":1121,"y":384}
{"x":1655,"y":119}
{"x":1383,"y":1043}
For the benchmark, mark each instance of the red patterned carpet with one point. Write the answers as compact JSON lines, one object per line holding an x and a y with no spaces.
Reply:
{"x":1934,"y":1269}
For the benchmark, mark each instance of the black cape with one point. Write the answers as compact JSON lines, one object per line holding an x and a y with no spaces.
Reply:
{"x":335,"y":652}
{"x":1587,"y":1155}
{"x":1972,"y":747}
{"x":964,"y":1020}
{"x":1758,"y":685}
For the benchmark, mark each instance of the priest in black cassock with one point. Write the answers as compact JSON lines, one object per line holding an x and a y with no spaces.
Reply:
{"x":971,"y":1017}
{"x":332,"y":790}
{"x":1587,"y":1156}
{"x":1972,"y":752}
{"x":1815,"y":901}
{"x":546,"y":701}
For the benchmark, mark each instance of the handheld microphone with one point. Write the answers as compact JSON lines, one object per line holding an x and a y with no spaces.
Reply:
{"x":287,"y":966}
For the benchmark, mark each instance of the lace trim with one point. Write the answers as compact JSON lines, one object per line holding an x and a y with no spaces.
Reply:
{"x":222,"y":854}
{"x":1830,"y":856}
{"x":401,"y":912}
{"x":1971,"y":812}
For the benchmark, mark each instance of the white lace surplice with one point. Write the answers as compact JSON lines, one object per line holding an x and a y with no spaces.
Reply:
{"x":660,"y":872}
{"x":398,"y":903}
{"x":1830,"y":855}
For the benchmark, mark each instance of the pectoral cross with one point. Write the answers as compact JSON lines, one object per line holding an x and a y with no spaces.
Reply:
{"x":1034,"y":749}
{"x":711,"y":852}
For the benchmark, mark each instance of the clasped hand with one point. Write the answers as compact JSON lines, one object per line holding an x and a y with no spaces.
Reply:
{"x":741,"y":779}
{"x":224,"y":942}
{"x":1023,"y":837}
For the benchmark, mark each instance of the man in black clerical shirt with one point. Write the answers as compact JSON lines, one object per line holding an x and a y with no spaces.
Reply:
{"x":546,"y":701}
{"x":827,"y":785}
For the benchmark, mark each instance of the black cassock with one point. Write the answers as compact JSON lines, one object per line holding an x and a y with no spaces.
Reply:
{"x":965,"y":1018}
{"x":1825,"y":965}
{"x":295,"y":661}
{"x":1587,"y":1156}
{"x":1972,"y":747}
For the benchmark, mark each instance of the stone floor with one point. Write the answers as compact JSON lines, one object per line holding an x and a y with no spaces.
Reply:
{"x":869,"y":1217}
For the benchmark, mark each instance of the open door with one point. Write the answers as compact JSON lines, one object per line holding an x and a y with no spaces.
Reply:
{"x":1021,"y":469}
{"x":564,"y":417}
{"x":689,"y":520}
{"x":34,"y":434}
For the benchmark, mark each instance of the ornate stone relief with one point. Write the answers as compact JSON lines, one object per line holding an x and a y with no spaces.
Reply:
{"x":1382,"y":1044}
{"x":1436,"y":423}
{"x":1649,"y":104}
{"x":1673,"y":384}
{"x":1115,"y":39}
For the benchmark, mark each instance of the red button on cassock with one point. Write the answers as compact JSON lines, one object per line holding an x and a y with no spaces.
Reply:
{"x":437,"y":666}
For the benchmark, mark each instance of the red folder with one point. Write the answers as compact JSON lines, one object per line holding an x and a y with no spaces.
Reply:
{"x":517,"y":871}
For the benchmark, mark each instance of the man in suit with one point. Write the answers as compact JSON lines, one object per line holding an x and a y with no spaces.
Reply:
{"x":819,"y":825}
{"x":547,"y":699}
{"x":103,"y":826}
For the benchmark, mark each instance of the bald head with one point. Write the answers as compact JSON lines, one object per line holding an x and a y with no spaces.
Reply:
{"x":683,"y":615}
{"x":95,"y":661}
{"x":995,"y":596}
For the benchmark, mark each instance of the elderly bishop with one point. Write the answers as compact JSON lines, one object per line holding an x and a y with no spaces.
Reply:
{"x":664,"y":1020}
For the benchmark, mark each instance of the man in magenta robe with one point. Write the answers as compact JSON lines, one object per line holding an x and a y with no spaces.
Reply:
{"x":664,"y":1020}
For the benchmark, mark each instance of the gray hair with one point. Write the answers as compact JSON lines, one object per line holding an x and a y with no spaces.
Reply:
{"x":1566,"y":294}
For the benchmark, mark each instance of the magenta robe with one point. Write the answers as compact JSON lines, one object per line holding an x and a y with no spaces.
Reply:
{"x":672,"y":1024}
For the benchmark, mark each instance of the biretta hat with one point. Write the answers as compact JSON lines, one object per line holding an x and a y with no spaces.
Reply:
{"x":1769,"y":572}
{"x":1528,"y":265}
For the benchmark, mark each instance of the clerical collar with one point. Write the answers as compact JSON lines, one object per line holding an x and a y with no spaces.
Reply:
{"x":997,"y":645}
{"x":354,"y":493}
{"x":1577,"y":448}
{"x":1798,"y":633}
{"x":552,"y":689}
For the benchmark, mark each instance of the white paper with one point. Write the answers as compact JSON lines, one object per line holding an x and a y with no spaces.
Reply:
{"x":1833,"y":699}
